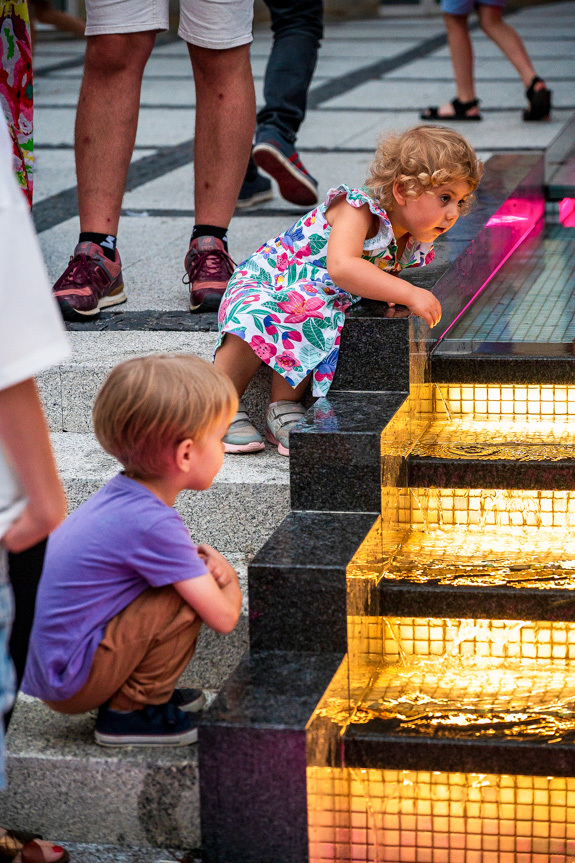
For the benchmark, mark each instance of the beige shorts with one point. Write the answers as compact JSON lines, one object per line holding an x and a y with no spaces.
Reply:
{"x":216,"y":24}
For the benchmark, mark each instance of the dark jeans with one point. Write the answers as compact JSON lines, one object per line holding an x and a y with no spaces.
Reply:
{"x":25,"y":570}
{"x":297,"y":26}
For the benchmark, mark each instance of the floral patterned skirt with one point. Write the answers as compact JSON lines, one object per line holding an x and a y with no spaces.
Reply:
{"x":295,"y":328}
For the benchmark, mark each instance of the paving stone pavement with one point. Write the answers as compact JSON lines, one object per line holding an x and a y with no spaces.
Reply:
{"x":372,"y":76}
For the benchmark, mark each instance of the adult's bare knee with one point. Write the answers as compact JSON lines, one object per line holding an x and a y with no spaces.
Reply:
{"x":114,"y":54}
{"x":219,"y":68}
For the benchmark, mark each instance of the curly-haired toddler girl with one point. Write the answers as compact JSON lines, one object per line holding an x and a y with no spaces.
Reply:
{"x":285,"y":305}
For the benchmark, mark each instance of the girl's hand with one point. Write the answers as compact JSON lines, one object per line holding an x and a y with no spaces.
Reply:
{"x":423,"y":304}
{"x":219,"y":568}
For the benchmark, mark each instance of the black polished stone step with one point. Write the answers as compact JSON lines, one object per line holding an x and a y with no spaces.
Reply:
{"x":335,"y":453}
{"x":252,"y":755}
{"x":376,"y":745}
{"x":404,"y":598}
{"x":425,"y":472}
{"x":297,"y":582}
{"x":500,"y":363}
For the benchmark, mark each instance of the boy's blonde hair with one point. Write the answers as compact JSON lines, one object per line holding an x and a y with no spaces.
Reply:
{"x":149,"y":404}
{"x":421,"y":158}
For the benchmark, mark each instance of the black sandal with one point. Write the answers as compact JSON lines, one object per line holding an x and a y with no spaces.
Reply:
{"x":539,"y":101}
{"x":460,"y":110}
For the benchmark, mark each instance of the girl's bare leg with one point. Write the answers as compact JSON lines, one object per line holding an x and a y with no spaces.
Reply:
{"x":236,"y":358}
{"x":282,"y":391}
{"x":509,"y":41}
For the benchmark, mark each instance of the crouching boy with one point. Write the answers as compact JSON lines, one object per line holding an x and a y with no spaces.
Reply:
{"x":124,"y":589}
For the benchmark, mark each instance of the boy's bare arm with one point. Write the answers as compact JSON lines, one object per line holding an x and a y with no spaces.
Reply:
{"x":25,"y":438}
{"x":218,"y":605}
{"x":218,"y":566}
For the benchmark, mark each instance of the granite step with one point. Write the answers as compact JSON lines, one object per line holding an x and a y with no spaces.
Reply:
{"x":61,"y":784}
{"x":248,"y":499}
{"x":68,"y":391}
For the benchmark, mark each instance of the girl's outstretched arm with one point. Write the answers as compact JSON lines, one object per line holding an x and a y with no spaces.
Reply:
{"x":352,"y":273}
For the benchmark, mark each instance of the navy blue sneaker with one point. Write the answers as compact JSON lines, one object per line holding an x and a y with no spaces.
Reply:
{"x":277,"y":157}
{"x":255,"y":190}
{"x":154,"y":725}
{"x":189,"y":700}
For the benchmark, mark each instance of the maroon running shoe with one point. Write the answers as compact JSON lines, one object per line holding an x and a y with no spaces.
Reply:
{"x":208,"y":270}
{"x":278,"y":158}
{"x":90,"y":282}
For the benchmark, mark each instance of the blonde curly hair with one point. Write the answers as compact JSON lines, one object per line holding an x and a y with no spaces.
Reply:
{"x":422,"y":158}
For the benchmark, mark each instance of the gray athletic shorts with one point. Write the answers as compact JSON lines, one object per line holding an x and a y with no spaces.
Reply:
{"x":464,"y":7}
{"x":216,"y":24}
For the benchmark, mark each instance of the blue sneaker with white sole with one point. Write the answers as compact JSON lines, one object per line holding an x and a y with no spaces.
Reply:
{"x":153,"y":725}
{"x":278,"y":158}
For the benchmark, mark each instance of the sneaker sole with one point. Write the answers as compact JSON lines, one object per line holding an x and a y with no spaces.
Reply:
{"x":293,"y":187}
{"x":181,"y":739}
{"x":254,"y":446}
{"x":281,"y":448}
{"x":69,"y":313}
{"x":258,"y":198}
{"x":194,"y":706}
{"x":210,"y":304}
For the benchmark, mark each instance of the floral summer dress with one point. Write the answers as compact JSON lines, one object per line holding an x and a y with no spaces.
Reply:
{"x":283,"y":302}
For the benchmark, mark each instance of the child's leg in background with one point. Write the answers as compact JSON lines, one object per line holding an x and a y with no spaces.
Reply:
{"x":461,"y":51}
{"x":236,"y":358}
{"x":144,"y":650}
{"x":508,"y":40}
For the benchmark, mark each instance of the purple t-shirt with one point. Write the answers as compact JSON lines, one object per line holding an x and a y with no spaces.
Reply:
{"x":118,"y":543}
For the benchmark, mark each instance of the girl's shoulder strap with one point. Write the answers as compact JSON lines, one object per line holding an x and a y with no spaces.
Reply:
{"x":355,"y":197}
{"x":358,"y":198}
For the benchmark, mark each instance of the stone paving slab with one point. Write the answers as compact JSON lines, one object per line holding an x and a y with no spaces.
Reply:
{"x":487,"y":134}
{"x":499,"y":69}
{"x":55,"y":170}
{"x":485,"y":49}
{"x":160,"y":127}
{"x":381,"y":95}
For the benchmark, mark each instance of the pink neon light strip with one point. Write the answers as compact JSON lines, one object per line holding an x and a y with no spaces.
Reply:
{"x":487,"y":280}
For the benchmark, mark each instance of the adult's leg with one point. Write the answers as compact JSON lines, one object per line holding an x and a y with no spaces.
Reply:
{"x":236,"y":358}
{"x":297,"y":26}
{"x":509,"y":41}
{"x":225,"y":120}
{"x":106,"y":124}
{"x":24,"y":570}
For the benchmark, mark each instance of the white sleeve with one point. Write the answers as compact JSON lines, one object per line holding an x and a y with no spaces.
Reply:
{"x":32,"y":335}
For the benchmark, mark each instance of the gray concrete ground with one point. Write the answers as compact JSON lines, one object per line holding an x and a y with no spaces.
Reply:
{"x":372,"y":76}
